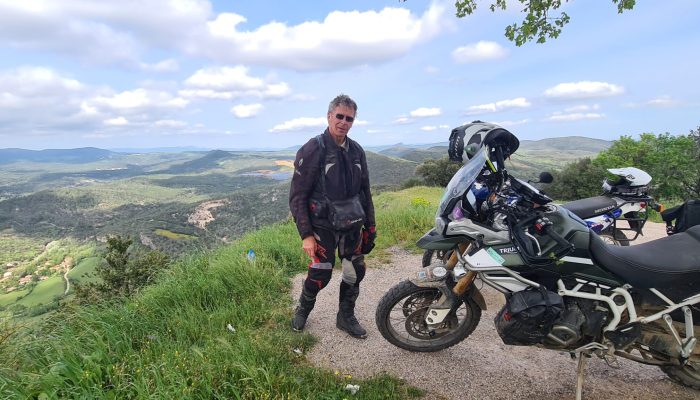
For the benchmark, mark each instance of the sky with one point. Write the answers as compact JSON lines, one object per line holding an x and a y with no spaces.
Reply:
{"x":260,"y":74}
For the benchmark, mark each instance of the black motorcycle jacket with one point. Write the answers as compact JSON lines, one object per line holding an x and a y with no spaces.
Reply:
{"x":346,"y":175}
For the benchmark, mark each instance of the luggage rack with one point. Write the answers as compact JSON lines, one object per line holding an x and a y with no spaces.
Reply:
{"x":635,"y":224}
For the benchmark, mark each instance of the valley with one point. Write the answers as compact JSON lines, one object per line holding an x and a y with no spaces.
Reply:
{"x":57,"y":207}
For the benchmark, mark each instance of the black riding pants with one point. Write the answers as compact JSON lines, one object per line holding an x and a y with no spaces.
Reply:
{"x":347,"y":245}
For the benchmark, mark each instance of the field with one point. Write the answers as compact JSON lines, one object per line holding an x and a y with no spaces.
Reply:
{"x":84,"y":271}
{"x":44,"y":292}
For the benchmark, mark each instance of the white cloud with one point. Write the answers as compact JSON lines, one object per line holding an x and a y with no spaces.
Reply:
{"x":36,"y":99}
{"x":299,"y":124}
{"x":431,"y":70}
{"x":246,"y":110}
{"x":424,"y":112}
{"x":41,"y":101}
{"x":574,"y":117}
{"x":479,"y":52}
{"x":661,"y":101}
{"x":498,"y":106}
{"x":403,"y":120}
{"x":171,"y":123}
{"x":104,"y":32}
{"x":583,"y":90}
{"x":428,"y":128}
{"x":168,"y":65}
{"x":113,"y":32}
{"x":119,"y":121}
{"x":318,"y":45}
{"x":507,"y":124}
{"x":582,"y":108}
{"x":231,"y":83}
{"x":139,"y":99}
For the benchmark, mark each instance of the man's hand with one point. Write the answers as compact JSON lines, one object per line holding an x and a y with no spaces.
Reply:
{"x":309,"y":246}
{"x":368,"y":236}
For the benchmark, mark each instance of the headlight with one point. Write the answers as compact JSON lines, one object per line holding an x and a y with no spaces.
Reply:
{"x":440,"y":225}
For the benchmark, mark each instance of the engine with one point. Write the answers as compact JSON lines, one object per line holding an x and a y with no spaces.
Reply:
{"x":533,"y":317}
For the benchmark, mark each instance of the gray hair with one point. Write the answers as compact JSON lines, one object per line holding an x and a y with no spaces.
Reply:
{"x":342,"y":99}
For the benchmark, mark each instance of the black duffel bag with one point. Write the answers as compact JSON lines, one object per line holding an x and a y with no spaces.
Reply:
{"x":528,"y":316}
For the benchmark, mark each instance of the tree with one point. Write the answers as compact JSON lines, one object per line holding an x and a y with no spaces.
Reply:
{"x":578,"y":180}
{"x":124,"y":272}
{"x":537,"y":23}
{"x":673,"y":161}
{"x":438,"y":172}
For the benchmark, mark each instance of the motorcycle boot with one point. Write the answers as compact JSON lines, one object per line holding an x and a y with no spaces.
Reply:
{"x":345,"y":319}
{"x":307,"y":301}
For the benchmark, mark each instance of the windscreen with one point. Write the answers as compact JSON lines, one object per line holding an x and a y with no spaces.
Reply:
{"x":463,"y":179}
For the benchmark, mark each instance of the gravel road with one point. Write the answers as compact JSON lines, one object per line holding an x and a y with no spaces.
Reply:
{"x":480,"y":367}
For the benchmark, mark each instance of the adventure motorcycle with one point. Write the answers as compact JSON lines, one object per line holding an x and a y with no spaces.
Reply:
{"x":565,"y":288}
{"x":625,"y":199}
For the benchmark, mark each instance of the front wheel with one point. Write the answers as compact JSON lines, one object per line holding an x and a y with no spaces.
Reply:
{"x":688,"y":374}
{"x":400,"y":318}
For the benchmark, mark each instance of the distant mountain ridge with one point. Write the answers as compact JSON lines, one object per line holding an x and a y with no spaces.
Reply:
{"x":89,"y":154}
{"x":71,"y":156}
{"x":580,"y":143}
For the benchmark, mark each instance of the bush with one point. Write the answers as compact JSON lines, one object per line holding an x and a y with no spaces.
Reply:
{"x":438,"y":172}
{"x":123,"y":273}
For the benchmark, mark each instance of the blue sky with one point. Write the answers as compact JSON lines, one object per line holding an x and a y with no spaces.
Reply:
{"x":260,"y":74}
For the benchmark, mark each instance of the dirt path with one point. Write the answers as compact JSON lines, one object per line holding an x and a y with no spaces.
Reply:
{"x":481,"y":367}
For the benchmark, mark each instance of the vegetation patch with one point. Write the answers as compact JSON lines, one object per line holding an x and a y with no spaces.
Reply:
{"x":17,"y":249}
{"x":44,"y":292}
{"x":84,"y":272}
{"x":174,"y":235}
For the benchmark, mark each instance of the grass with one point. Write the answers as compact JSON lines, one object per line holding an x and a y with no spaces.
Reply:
{"x":214,"y":326}
{"x":174,"y":235}
{"x":8,"y":298}
{"x":44,"y":292}
{"x":84,"y":271}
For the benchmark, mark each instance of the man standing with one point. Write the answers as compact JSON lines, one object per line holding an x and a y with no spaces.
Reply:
{"x":331,"y":201}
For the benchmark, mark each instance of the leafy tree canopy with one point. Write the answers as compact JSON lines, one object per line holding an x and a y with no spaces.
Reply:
{"x":124,"y":272}
{"x":438,"y":172}
{"x":673,"y":161}
{"x":538,"y":23}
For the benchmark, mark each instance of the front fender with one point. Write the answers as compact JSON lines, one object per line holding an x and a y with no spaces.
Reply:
{"x":476,"y":295}
{"x":435,"y":241}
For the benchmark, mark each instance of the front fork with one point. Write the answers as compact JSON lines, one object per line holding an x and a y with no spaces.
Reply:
{"x":441,"y":277}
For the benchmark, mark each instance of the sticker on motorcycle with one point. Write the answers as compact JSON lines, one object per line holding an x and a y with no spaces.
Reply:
{"x":508,"y":250}
{"x":495,"y":255}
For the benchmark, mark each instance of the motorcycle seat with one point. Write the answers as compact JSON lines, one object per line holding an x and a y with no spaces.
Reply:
{"x":590,"y":207}
{"x":673,"y":261}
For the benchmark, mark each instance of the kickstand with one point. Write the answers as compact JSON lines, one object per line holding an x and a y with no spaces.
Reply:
{"x":582,"y":358}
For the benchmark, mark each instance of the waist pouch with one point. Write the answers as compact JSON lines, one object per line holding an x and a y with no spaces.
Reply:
{"x":346,"y":214}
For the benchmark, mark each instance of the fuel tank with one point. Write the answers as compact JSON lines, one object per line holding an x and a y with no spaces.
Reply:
{"x":577,"y":265}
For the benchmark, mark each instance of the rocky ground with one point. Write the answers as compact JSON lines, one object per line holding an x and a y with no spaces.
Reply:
{"x":481,"y":367}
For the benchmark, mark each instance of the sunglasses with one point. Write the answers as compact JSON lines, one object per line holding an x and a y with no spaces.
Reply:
{"x":346,"y":117}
